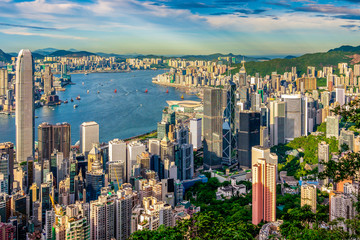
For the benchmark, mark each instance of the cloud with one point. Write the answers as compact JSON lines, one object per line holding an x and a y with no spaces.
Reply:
{"x":250,"y":11}
{"x":280,"y":4}
{"x":22,"y":32}
{"x":26,"y":26}
{"x":349,"y":26}
{"x":328,"y":8}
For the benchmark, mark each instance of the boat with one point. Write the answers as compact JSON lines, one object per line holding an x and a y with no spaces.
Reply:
{"x":167,"y":90}
{"x":146,"y":91}
{"x":71,"y":100}
{"x":87,"y":91}
{"x":75,"y":105}
{"x":182,"y":97}
{"x":36,"y":117}
{"x":98,"y":92}
{"x":66,"y":101}
{"x":115,"y":91}
{"x":78,"y":97}
{"x":85,"y":73}
{"x":83,"y":83}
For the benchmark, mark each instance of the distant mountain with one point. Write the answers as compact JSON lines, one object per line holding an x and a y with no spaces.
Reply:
{"x":45,"y":51}
{"x":289,"y":57}
{"x":64,"y":53}
{"x":4,"y":57}
{"x":215,"y":56}
{"x":346,"y":54}
{"x":346,"y":48}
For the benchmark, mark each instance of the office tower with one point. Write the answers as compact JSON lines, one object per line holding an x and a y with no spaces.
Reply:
{"x":89,"y":134}
{"x":264,"y":137}
{"x":340,"y":94}
{"x":162,"y":129}
{"x":185,"y":162}
{"x":154,"y":146}
{"x":95,"y":180}
{"x":213,"y":121}
{"x":195,"y":130}
{"x":72,"y":174}
{"x":294,"y":126}
{"x":169,"y":116}
{"x":5,"y":172}
{"x":8,"y":149}
{"x":48,"y":80}
{"x":255,"y":102}
{"x":133,"y":150}
{"x":102,"y":216}
{"x":264,"y":116}
{"x":248,"y":136}
{"x":308,"y":196}
{"x":45,"y":170}
{"x":332,"y":127}
{"x":263,"y":191}
{"x":5,"y":207}
{"x":181,"y":134}
{"x":242,"y":75}
{"x":123,"y":213}
{"x":52,"y":137}
{"x":117,"y":150}
{"x":117,"y":172}
{"x":94,"y":155}
{"x":277,"y":122}
{"x":4,"y":81}
{"x":24,"y":115}
{"x":45,"y":191}
{"x":229,"y":125}
{"x":346,"y":137}
{"x":167,"y":149}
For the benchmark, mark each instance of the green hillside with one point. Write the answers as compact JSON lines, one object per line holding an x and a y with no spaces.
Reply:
{"x":4,"y":57}
{"x":64,"y":53}
{"x":318,"y":60}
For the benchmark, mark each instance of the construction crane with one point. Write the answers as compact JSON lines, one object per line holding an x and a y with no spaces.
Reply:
{"x":53,"y":204}
{"x":117,"y":179}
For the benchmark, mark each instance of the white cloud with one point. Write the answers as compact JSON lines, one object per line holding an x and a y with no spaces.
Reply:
{"x":23,"y":32}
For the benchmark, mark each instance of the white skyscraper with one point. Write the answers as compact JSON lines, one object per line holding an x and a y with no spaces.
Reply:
{"x":133,"y":150}
{"x":89,"y":134}
{"x":24,"y":115}
{"x":195,"y":130}
{"x":117,"y":150}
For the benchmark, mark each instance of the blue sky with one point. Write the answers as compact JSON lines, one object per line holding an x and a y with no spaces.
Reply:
{"x":250,"y":27}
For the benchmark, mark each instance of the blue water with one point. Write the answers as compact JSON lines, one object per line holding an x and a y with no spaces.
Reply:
{"x":127,"y":113}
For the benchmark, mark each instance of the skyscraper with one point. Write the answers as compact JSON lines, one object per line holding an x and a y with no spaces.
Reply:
{"x":102,"y":216}
{"x":195,"y":130}
{"x":346,"y":137}
{"x":95,"y":180}
{"x":3,"y":81}
{"x":48,"y":80}
{"x":133,"y":149}
{"x":323,"y":156}
{"x":340,"y":94}
{"x":264,"y":191}
{"x":24,"y":114}
{"x":248,"y":136}
{"x":294,"y":124}
{"x":8,"y":148}
{"x":277,"y":122}
{"x":213,"y":121}
{"x":89,"y":134}
{"x":52,"y":137}
{"x":308,"y":196}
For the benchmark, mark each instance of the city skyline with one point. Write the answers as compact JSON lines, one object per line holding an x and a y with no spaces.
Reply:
{"x":253,"y":27}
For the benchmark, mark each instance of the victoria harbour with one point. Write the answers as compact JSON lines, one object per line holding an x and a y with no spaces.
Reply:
{"x":128,"y":112}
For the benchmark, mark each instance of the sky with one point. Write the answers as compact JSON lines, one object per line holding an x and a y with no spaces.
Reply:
{"x":249,"y":27}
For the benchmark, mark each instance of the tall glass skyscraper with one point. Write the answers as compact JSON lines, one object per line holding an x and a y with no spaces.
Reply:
{"x":24,"y":113}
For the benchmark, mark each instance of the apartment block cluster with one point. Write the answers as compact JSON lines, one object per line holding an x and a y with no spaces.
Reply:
{"x":145,"y":63}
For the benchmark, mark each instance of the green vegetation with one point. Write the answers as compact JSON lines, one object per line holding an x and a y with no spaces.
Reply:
{"x":160,"y":66}
{"x":321,"y":82}
{"x":301,"y":63}
{"x":307,"y":146}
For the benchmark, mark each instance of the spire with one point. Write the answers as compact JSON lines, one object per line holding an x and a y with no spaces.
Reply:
{"x":242,"y":69}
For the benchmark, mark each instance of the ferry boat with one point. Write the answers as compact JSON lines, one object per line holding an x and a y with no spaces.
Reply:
{"x":146,"y":91}
{"x":78,"y":97}
{"x":75,"y":106}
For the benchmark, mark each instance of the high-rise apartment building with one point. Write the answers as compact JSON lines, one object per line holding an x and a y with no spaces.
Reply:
{"x":89,"y":134}
{"x":48,"y":80}
{"x":263,"y":191}
{"x":308,"y":196}
{"x":8,"y":149}
{"x":123,"y":213}
{"x":323,"y":156}
{"x":102,"y":216}
{"x":340,"y":94}
{"x":24,"y":115}
{"x":346,"y":137}
{"x":332,"y":126}
{"x":248,"y":136}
